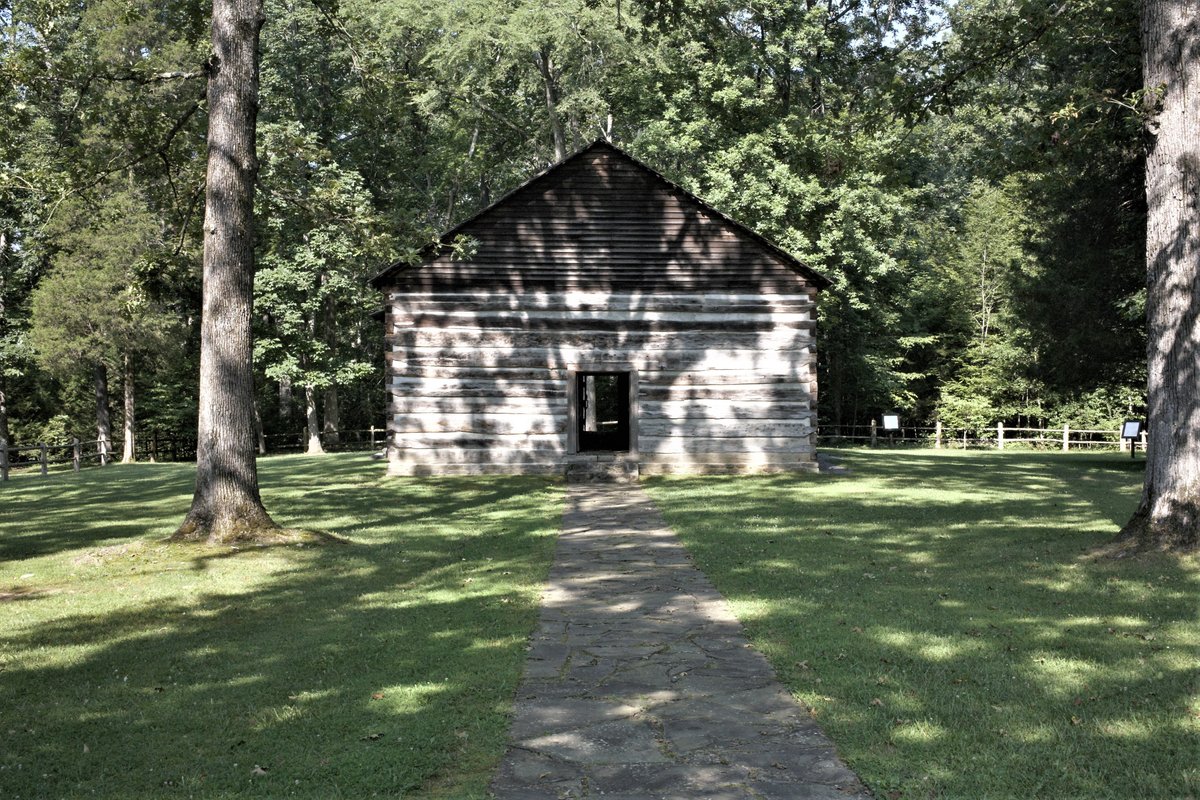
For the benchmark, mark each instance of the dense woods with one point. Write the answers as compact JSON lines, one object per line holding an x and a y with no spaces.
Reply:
{"x":968,"y":174}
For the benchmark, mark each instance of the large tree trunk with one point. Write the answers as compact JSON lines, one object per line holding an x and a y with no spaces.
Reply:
{"x":3,"y":410}
{"x":285,"y":399}
{"x":258,"y":430}
{"x":1169,"y":512}
{"x":333,"y":413}
{"x":333,"y":409}
{"x":4,"y":437}
{"x":312,"y":420}
{"x":128,"y":456}
{"x":226,"y":505}
{"x":103,"y":420}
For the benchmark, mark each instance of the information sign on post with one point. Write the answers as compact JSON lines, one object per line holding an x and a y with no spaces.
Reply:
{"x":1131,"y":430}
{"x":891,"y":424}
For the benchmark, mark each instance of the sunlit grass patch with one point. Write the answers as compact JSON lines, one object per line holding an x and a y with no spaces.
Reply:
{"x":942,"y":616}
{"x":133,"y":667}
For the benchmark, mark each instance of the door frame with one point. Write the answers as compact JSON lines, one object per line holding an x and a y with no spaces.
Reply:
{"x":573,"y":371}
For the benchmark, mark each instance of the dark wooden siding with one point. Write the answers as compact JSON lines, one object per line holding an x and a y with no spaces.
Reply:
{"x":600,"y":222}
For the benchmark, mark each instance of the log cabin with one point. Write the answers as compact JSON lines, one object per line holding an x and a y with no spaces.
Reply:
{"x":600,"y":321}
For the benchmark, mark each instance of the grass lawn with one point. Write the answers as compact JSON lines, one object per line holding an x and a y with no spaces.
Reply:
{"x":939,"y":614}
{"x":130,"y":668}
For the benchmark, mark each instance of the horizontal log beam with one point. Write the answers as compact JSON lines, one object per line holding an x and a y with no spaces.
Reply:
{"x":402,"y":324}
{"x":699,"y":395}
{"x":440,"y":469}
{"x":598,"y":301}
{"x":564,"y":357}
{"x":750,"y":468}
{"x":497,"y":390}
{"x":779,"y":338}
{"x":480,"y":423}
{"x":475,"y":456}
{"x":650,"y":446}
{"x":698,"y":429}
{"x":735,"y":377}
{"x":471,"y":405}
{"x":544,"y":442}
{"x":724,"y":409}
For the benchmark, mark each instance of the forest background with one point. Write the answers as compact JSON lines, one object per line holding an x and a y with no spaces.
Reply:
{"x":968,"y":174}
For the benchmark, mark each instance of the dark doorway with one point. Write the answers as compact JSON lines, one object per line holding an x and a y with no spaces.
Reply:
{"x":603,"y":410}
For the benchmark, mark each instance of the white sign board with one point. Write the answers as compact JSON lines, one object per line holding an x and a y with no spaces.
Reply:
{"x":891,"y":422}
{"x":1131,"y":430}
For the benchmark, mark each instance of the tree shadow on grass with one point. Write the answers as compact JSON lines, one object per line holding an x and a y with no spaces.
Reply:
{"x":338,"y":671}
{"x":937,"y":613}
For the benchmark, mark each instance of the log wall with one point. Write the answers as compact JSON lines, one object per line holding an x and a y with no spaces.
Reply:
{"x":725,"y":382}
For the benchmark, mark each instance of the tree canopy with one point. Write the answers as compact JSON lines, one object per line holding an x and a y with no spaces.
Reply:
{"x":968,"y":174}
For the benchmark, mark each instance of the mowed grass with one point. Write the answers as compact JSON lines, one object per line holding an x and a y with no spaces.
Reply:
{"x":132,"y":668}
{"x":940,"y":614}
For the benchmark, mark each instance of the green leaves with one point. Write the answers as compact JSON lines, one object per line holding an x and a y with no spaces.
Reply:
{"x":320,"y":241}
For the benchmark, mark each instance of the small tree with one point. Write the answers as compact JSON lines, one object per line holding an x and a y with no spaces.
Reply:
{"x":311,"y":287}
{"x":92,"y":309}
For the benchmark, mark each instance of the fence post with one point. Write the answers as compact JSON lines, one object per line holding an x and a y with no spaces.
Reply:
{"x":937,"y":435}
{"x":3,"y":459}
{"x":103,"y":452}
{"x":154,"y":447}
{"x":42,"y":458}
{"x":76,"y":453}
{"x":1000,"y":435}
{"x":873,"y":434}
{"x":1121,"y":441}
{"x":1143,"y":438}
{"x":372,"y":437}
{"x":1066,"y":437}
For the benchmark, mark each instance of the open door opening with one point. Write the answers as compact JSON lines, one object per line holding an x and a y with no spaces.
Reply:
{"x":603,"y":411}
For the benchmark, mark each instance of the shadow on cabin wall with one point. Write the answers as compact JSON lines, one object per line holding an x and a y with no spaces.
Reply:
{"x":602,"y":266}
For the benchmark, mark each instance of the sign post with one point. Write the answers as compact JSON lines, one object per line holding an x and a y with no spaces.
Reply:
{"x":891,"y":424}
{"x":1132,"y":431}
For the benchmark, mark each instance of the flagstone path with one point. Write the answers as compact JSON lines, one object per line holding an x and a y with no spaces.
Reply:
{"x":639,"y":682}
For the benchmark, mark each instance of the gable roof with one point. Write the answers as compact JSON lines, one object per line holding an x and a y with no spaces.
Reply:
{"x":546,"y":176}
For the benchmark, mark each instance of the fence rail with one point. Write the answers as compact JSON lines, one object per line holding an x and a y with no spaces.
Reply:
{"x":1064,"y":438}
{"x":43,"y":456}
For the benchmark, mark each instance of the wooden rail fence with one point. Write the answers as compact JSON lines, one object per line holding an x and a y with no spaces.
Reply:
{"x":41,"y":457}
{"x":1064,"y":438}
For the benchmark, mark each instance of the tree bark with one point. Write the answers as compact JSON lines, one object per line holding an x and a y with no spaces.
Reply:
{"x":258,"y":430}
{"x":1169,"y":512}
{"x":226,"y":505}
{"x":333,"y":410}
{"x":128,"y":455}
{"x":285,"y":399}
{"x":546,"y":67}
{"x":313,"y":421}
{"x":103,"y":420}
{"x":4,"y":436}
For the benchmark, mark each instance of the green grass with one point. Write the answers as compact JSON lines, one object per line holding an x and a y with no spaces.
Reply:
{"x":940,"y":614}
{"x":132,"y":668}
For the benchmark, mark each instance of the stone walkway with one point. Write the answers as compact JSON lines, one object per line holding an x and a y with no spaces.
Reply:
{"x":640,"y":683}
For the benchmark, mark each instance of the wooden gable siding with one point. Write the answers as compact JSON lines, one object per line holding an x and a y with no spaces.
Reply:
{"x":600,"y":222}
